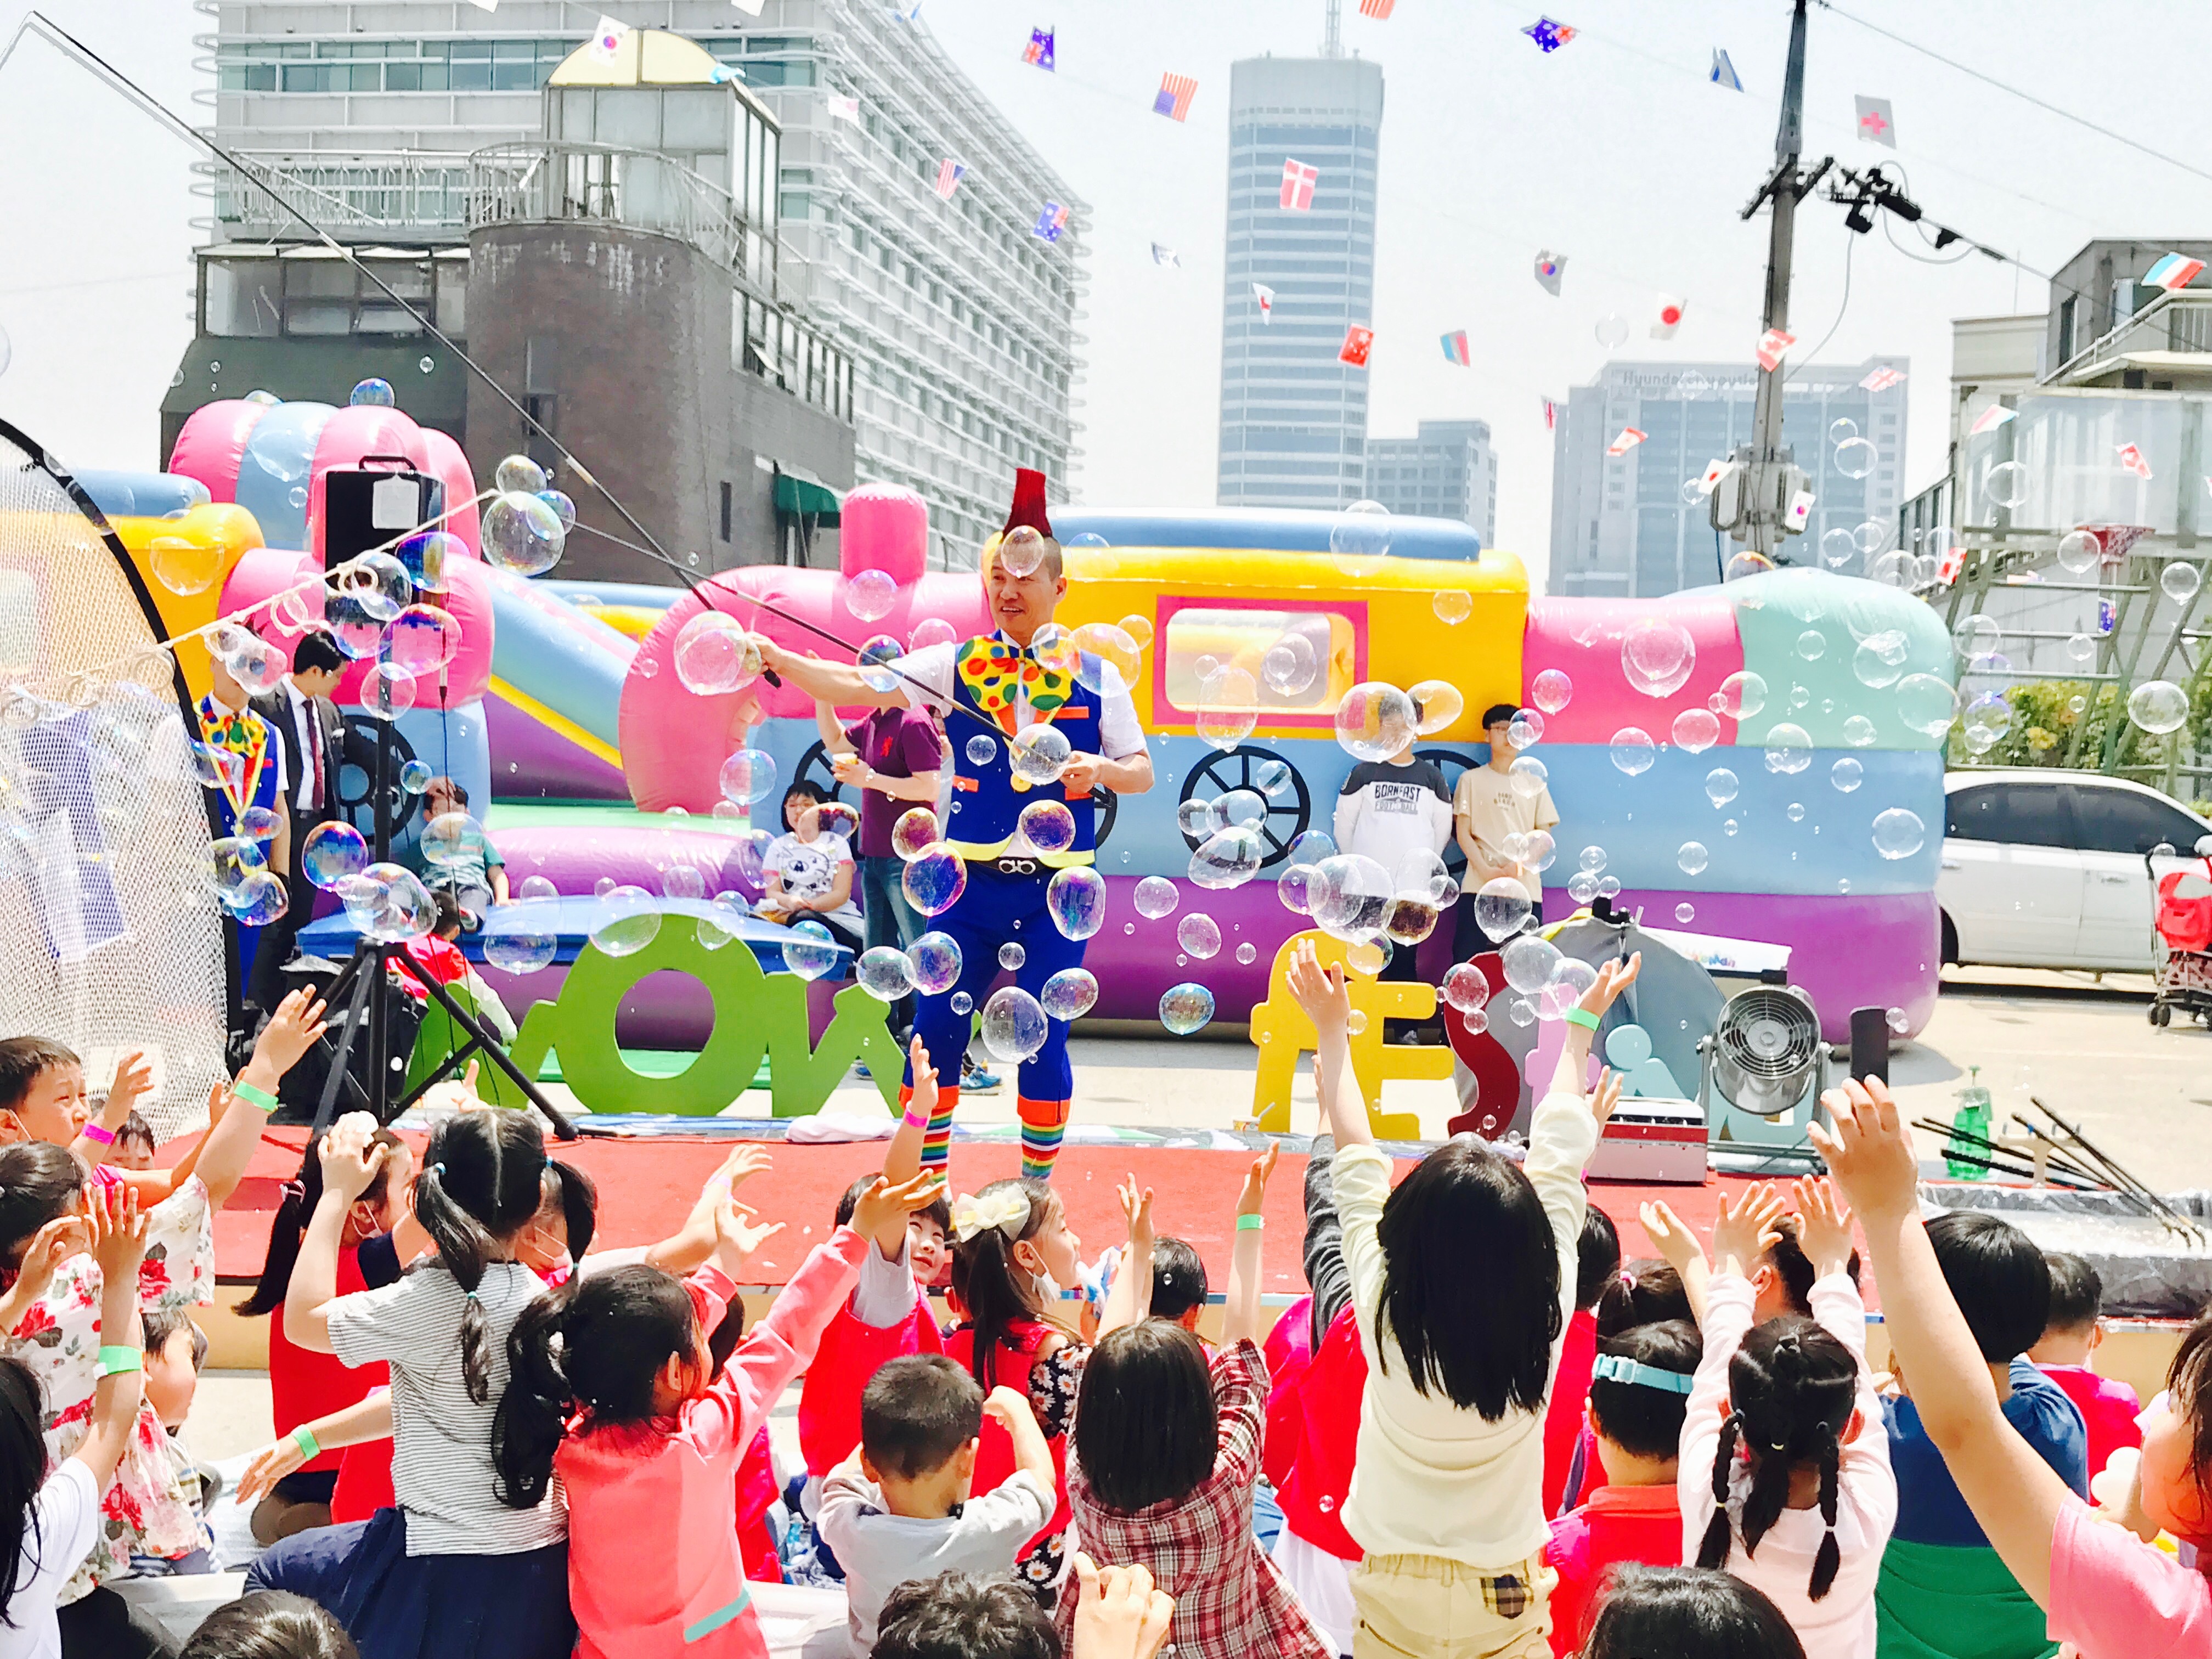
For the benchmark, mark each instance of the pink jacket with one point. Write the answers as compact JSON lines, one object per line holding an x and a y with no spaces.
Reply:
{"x":655,"y":1569}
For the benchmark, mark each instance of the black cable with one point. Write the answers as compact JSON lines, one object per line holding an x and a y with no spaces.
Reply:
{"x":1798,"y":365}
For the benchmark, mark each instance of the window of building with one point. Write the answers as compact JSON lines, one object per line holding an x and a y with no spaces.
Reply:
{"x":725,"y":509}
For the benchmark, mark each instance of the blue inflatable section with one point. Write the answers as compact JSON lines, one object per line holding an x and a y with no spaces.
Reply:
{"x":1273,"y":529}
{"x":279,"y":459}
{"x":560,"y":654}
{"x":142,"y":495}
{"x":646,"y":596}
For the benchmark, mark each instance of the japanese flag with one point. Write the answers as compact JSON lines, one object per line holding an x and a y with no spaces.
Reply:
{"x":1667,"y":318}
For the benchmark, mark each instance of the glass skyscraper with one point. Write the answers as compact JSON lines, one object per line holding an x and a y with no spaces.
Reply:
{"x":1293,"y":418}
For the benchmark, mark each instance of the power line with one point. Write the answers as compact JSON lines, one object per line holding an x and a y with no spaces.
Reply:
{"x":2026,"y":97}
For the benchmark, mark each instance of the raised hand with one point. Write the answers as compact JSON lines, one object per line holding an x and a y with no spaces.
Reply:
{"x":1870,"y":1151}
{"x":1137,"y":1210}
{"x":1320,"y":992}
{"x":1824,"y":1226}
{"x":350,"y":1158}
{"x":735,"y":1237}
{"x":1118,"y":1613}
{"x":134,"y":1075}
{"x":884,"y":1203}
{"x":1676,"y":1244}
{"x":1744,"y":1228}
{"x":118,"y":1232}
{"x":291,"y":1031}
{"x":1613,"y":978}
{"x":1605,"y":1096}
{"x":1254,"y":1194}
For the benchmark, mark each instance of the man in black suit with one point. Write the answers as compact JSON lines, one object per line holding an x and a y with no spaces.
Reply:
{"x":315,"y":742}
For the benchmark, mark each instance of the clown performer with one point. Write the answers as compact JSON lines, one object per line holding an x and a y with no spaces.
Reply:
{"x":996,"y":685}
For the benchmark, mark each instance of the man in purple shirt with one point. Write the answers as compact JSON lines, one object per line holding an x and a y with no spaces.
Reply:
{"x":892,"y":757}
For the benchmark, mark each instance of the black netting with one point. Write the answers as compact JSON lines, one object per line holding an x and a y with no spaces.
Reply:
{"x":109,"y":935}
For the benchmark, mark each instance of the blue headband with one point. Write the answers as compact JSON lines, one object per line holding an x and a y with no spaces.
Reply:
{"x":1620,"y":1368}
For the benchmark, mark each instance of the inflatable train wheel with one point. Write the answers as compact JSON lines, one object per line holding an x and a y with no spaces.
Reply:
{"x":1288,"y":815}
{"x":814,"y":767}
{"x":1451,"y":762}
{"x":353,"y":785}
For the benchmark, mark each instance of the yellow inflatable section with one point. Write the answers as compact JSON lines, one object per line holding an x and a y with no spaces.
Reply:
{"x":197,"y":549}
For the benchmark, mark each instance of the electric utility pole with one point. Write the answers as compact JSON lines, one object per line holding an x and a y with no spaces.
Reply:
{"x":1764,"y":497}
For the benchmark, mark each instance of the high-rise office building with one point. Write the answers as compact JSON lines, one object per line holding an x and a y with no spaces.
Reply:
{"x":1635,"y":524}
{"x":960,"y":322}
{"x":1446,"y":471}
{"x":1293,"y":416}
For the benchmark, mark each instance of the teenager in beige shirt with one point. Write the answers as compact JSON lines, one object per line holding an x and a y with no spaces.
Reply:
{"x":1485,"y":810}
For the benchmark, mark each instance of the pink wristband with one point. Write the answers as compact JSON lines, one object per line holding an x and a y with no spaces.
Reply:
{"x":912,"y":1121}
{"x":93,"y":1132}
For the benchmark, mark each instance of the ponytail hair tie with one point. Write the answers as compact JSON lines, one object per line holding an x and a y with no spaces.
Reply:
{"x":1627,"y":1280}
{"x":439,"y":1170}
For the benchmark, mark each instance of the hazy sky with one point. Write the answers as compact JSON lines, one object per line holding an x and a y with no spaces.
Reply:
{"x":1614,"y":150}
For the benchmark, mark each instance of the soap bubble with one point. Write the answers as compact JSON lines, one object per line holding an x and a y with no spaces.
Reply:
{"x":1685,"y":912}
{"x":1012,"y":956}
{"x":748,"y":775}
{"x":630,"y":921}
{"x":873,"y":659}
{"x":1696,"y":730}
{"x":1452,"y":606}
{"x":1842,"y":429}
{"x":1465,"y":988}
{"x":1895,"y":568}
{"x":930,"y":630}
{"x":933,"y":963}
{"x":1811,"y":645}
{"x":2007,"y":484}
{"x":258,"y":899}
{"x":1228,"y":858}
{"x":1870,"y":534}
{"x":1039,"y":753}
{"x":1846,"y":773}
{"x":520,"y":533}
{"x":1552,"y":690}
{"x":1692,"y":857}
{"x":1437,"y":704}
{"x":1926,"y":704}
{"x":915,"y":832}
{"x":1049,"y":825}
{"x":1527,"y":777}
{"x":1976,"y":635}
{"x":1290,"y":665}
{"x":1879,"y":659}
{"x":1241,"y":808}
{"x":1069,"y":994}
{"x":518,"y":472}
{"x":1076,"y":900}
{"x":683,"y":881}
{"x":371,"y":393}
{"x":871,"y":594}
{"x":1375,"y":721}
{"x":1271,"y":777}
{"x":1897,"y":1021}
{"x":1789,"y":748}
{"x":1228,"y":707}
{"x":1186,"y":1008}
{"x":982,"y":750}
{"x":2157,"y":706}
{"x":1581,"y":887}
{"x":388,"y":902}
{"x":1350,"y":894}
{"x":715,"y":654}
{"x":1743,"y":695}
{"x":1198,"y":818}
{"x":422,"y":639}
{"x":1199,"y":935}
{"x":1526,"y":730}
{"x":2079,"y":550}
{"x":885,"y":973}
{"x":1795,"y":811}
{"x":284,"y":450}
{"x":934,"y":879}
{"x":521,"y":939}
{"x":1987,"y":720}
{"x":1020,"y":551}
{"x":1657,"y":656}
{"x":450,"y":839}
{"x":1898,"y":833}
{"x":1720,"y":786}
{"x":962,"y":1003}
{"x":1013,"y":1025}
{"x":1109,"y":658}
{"x":332,"y":852}
{"x":1359,"y":540}
{"x":1839,"y":549}
{"x":603,"y":886}
{"x":1859,"y":732}
{"x":1747,"y":563}
{"x":1296,"y":887}
{"x":1593,"y":858}
{"x":1632,"y":750}
{"x":1854,"y":458}
{"x":2082,"y":648}
{"x":1612,"y":330}
{"x":1413,"y":916}
{"x":1501,"y":906}
{"x":1138,"y":629}
{"x":425,"y":558}
{"x":563,"y":506}
{"x":1529,"y":962}
{"x":185,"y":566}
{"x":1156,"y":896}
{"x":2179,"y":582}
{"x":809,"y":951}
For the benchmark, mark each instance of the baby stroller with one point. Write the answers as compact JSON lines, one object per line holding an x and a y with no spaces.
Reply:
{"x":2183,"y":921}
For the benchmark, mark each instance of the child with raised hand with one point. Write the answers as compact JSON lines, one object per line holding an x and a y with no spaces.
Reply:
{"x":614,"y":1392}
{"x":900,"y":1507}
{"x":1447,"y":1497}
{"x":450,"y":1572}
{"x":49,"y":1523}
{"x":1166,"y":1455}
{"x":2109,"y":1595}
{"x":1784,"y":1478}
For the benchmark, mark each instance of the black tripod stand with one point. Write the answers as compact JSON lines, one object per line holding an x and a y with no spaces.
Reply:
{"x":364,"y":984}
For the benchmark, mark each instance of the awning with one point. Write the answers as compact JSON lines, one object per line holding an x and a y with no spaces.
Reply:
{"x":815,"y":500}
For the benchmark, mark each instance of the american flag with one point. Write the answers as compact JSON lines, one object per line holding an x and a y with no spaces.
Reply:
{"x":1039,"y":50}
{"x":1299,"y":182}
{"x":1990,"y":419}
{"x":1357,"y":341}
{"x":1375,"y":8}
{"x":1174,"y":98}
{"x":1548,"y":35}
{"x":1774,"y":346}
{"x":1051,"y":220}
{"x":950,"y":172}
{"x":1265,"y":296}
{"x":1629,"y":438}
{"x":2108,"y":616}
{"x":2173,"y":270}
{"x":1455,"y":348}
{"x":1882,"y":380}
{"x":2132,"y":460}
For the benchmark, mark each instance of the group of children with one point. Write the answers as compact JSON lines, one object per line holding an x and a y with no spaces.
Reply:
{"x":1485,"y":1433}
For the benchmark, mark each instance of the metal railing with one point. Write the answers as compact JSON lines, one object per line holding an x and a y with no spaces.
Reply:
{"x":546,"y":181}
{"x":399,"y":191}
{"x":2180,"y":320}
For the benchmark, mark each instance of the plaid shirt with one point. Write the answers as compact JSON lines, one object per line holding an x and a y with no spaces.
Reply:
{"x":1230,"y":1598}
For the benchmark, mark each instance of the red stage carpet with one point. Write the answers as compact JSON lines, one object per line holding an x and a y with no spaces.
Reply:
{"x":647,"y":1187}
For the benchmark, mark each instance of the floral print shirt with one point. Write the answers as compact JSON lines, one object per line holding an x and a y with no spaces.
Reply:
{"x":146,"y":1510}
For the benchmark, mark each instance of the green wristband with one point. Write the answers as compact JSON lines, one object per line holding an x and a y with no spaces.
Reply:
{"x":114,"y":1361}
{"x":1581,"y":1017}
{"x":304,"y":1438}
{"x":254,"y":1096}
{"x":1250,"y":1224}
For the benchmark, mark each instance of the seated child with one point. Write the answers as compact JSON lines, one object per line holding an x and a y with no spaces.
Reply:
{"x":1649,"y":1611}
{"x":1644,"y":1293}
{"x":2072,"y":1332}
{"x":1597,"y":1265}
{"x":1639,"y":1392}
{"x":1179,"y":1285}
{"x":174,"y":1350}
{"x":269,"y":1624}
{"x":1943,"y":1590}
{"x":899,"y":1508}
{"x":958,"y":1615}
{"x":435,"y":955}
{"x":133,"y":1145}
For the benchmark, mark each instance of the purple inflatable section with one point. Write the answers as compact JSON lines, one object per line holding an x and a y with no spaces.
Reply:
{"x":535,"y":760}
{"x":576,"y":860}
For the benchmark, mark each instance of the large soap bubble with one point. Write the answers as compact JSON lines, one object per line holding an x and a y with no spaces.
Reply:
{"x":1076,"y":900}
{"x":521,"y":939}
{"x":1111,"y":661}
{"x":388,"y":902}
{"x":184,"y":565}
{"x":1229,"y":857}
{"x":871,"y":594}
{"x":518,"y":472}
{"x":1350,"y":894}
{"x":809,"y":951}
{"x":934,"y":879}
{"x":1049,"y":825}
{"x":885,"y":973}
{"x":1987,"y":720}
{"x":2079,"y":550}
{"x":1359,"y":540}
{"x":1632,"y":750}
{"x":1013,"y":1025}
{"x":1846,"y":773}
{"x":1657,"y":656}
{"x":1696,"y":730}
{"x":1854,"y":458}
{"x":1898,"y":833}
{"x":934,"y":961}
{"x":713,"y":654}
{"x":629,"y":920}
{"x":1720,"y":786}
{"x":1789,"y":748}
{"x":747,"y":776}
{"x":1039,"y":753}
{"x":450,"y":839}
{"x":1452,"y":606}
{"x":1527,"y":777}
{"x":915,"y":833}
{"x":1465,"y":988}
{"x":1743,"y":695}
{"x":1290,"y":665}
{"x":1437,"y":704}
{"x":522,"y":533}
{"x":422,"y":639}
{"x":1528,"y":962}
{"x":332,"y":852}
{"x":1375,"y":721}
{"x":1228,"y":707}
{"x":1186,"y":1008}
{"x":1501,"y":906}
{"x":2158,"y":707}
{"x":374,"y":393}
{"x":1199,"y":935}
{"x":1927,"y":704}
{"x":1069,"y":994}
{"x":1156,"y":896}
{"x":1693,"y":858}
{"x":1552,"y":690}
